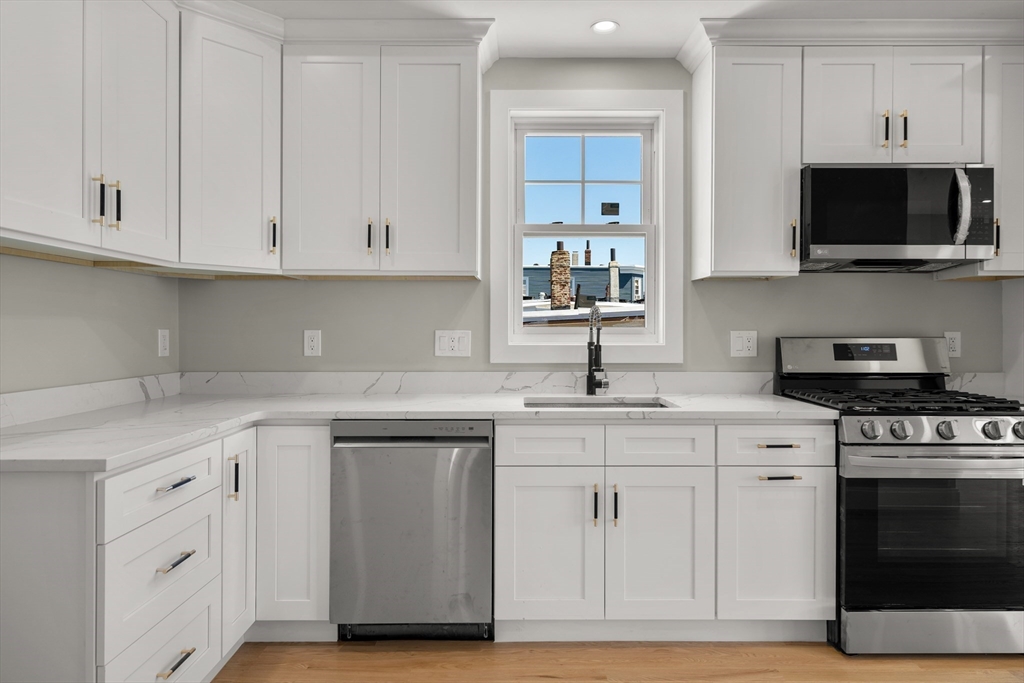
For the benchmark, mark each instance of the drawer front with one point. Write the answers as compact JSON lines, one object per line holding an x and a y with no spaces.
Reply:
{"x":195,"y":624}
{"x":549,"y":445}
{"x":660,"y":445}
{"x":139,"y":586}
{"x":777,"y":445}
{"x":129,"y":500}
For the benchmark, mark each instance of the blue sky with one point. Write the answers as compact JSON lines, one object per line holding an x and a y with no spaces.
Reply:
{"x":559,"y":158}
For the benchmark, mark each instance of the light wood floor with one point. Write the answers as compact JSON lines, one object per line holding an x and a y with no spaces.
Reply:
{"x":458,"y":662}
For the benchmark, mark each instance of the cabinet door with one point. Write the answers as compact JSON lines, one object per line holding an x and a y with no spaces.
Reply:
{"x":756,"y":161}
{"x":239,"y":533}
{"x":939,"y":89}
{"x":1004,"y":151}
{"x":49,"y":81}
{"x":660,"y":543}
{"x":776,"y":543}
{"x":230,"y":145}
{"x":293,"y":489}
{"x":140,"y":126}
{"x":429,"y":159}
{"x":847,"y":93}
{"x":548,"y":543}
{"x":332,"y":158}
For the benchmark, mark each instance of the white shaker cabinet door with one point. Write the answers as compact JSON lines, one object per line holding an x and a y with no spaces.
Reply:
{"x":238,"y":496}
{"x":429,"y":159}
{"x":548,"y":543}
{"x":660,"y":543}
{"x":1004,"y":151}
{"x":756,"y":161}
{"x":230,"y":146}
{"x":776,"y":543}
{"x":937,"y":104}
{"x":50,"y":119}
{"x":847,"y":105}
{"x":140,"y":126}
{"x":293,"y":510}
{"x":332,"y":157}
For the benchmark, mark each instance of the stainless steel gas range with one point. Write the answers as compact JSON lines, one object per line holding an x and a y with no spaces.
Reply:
{"x":931,"y":497}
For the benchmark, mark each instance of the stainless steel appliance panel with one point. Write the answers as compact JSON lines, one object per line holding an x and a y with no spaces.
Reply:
{"x":932,"y":632}
{"x":411,"y":523}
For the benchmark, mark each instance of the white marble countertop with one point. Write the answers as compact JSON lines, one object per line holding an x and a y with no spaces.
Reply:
{"x":112,"y":438}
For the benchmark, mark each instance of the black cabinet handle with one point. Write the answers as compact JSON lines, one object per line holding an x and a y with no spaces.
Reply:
{"x":167,"y":674}
{"x":117,"y":215}
{"x":792,"y":248}
{"x":179,"y":484}
{"x":387,"y":236}
{"x":369,"y":236}
{"x":235,"y":459}
{"x":778,"y":445}
{"x":906,"y":119}
{"x":273,"y":234}
{"x":998,"y":236}
{"x":595,"y":504}
{"x":184,"y":556}
{"x":615,"y":503}
{"x":103,"y":199}
{"x":886,"y":143}
{"x":791,"y":477}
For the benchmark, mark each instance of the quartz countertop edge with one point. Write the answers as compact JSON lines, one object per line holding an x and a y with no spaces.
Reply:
{"x":118,"y":437}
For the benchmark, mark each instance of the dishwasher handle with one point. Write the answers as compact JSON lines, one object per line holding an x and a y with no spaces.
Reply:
{"x":410,"y":442}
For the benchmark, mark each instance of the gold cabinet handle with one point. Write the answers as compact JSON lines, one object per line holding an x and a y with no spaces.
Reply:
{"x":103,"y":198}
{"x":185,"y":554}
{"x":387,"y":236}
{"x":116,"y":185}
{"x":369,"y":236}
{"x":792,"y":248}
{"x":906,"y":118}
{"x":273,"y":234}
{"x":788,"y":477}
{"x":615,"y":499}
{"x":595,"y":504}
{"x":886,"y":143}
{"x":170,"y":672}
{"x":234,"y":458}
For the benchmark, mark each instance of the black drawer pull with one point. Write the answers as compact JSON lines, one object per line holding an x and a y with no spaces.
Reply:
{"x":790,"y":477}
{"x":369,"y":236}
{"x":615,"y":499}
{"x":167,"y":674}
{"x":184,"y":556}
{"x":595,"y":504}
{"x":179,"y":484}
{"x":778,"y":445}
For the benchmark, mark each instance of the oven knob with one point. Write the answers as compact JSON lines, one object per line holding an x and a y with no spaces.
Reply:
{"x":993,"y":429}
{"x":871,"y":429}
{"x":948,"y":430}
{"x":902,"y":430}
{"x":1018,"y":429}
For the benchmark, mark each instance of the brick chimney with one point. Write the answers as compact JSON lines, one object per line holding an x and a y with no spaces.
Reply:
{"x":561,"y":278}
{"x":586,"y":255}
{"x":613,"y":278}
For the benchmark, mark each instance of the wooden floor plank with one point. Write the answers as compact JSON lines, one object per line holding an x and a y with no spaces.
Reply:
{"x":459,"y":662}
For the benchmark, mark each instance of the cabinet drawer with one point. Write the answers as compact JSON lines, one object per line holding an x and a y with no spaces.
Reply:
{"x":660,"y":445}
{"x":549,"y":445}
{"x":195,"y":624}
{"x":139,"y":586}
{"x":129,"y":500}
{"x":777,"y":445}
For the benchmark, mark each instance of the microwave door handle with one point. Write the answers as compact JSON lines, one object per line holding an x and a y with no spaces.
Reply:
{"x":962,"y":228}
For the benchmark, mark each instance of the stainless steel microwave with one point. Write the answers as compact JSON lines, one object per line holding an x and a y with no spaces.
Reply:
{"x":886,"y":219}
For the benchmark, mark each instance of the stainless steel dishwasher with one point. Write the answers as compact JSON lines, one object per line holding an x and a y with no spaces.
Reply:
{"x":411,"y":529}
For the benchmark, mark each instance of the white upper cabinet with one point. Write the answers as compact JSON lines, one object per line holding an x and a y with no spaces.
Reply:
{"x":429,"y":159}
{"x":748,"y":188}
{"x":47,"y":155}
{"x":331,"y":151}
{"x":1004,"y":151}
{"x":230,"y":146}
{"x":847,"y":105}
{"x":140,"y":127}
{"x":936,"y":97}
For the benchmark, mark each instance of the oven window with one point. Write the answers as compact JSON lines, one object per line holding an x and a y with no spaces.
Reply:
{"x":931,"y":543}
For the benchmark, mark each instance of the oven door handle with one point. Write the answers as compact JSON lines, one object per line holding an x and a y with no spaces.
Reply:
{"x":873,"y":467}
{"x":964,"y":224}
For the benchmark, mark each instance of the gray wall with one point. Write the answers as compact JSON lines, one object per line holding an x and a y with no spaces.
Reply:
{"x":257,"y":325}
{"x":67,"y":324}
{"x":1013,"y":336}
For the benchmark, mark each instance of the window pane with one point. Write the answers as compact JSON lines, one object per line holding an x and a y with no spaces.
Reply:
{"x":550,"y":157}
{"x":613,"y":203}
{"x":614,"y":157}
{"x":551,"y":279}
{"x":552,"y":203}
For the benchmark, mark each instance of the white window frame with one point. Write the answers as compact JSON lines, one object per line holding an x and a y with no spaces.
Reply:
{"x":513,"y":111}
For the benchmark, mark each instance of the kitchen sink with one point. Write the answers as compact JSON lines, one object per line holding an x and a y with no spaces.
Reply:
{"x":628,"y":402}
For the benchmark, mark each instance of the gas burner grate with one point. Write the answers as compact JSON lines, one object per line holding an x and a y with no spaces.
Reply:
{"x":907,"y":401}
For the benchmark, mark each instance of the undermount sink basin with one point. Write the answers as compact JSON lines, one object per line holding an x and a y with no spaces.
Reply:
{"x":620,"y":402}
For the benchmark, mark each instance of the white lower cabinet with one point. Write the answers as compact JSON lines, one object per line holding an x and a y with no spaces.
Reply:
{"x":660,"y":543}
{"x":776,"y":542}
{"x":548,"y":543}
{"x":238,"y":498}
{"x":293,"y":509}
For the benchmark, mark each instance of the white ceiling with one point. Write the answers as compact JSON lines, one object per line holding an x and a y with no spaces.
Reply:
{"x":648,"y":28}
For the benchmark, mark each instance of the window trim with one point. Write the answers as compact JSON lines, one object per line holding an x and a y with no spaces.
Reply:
{"x":513,"y":111}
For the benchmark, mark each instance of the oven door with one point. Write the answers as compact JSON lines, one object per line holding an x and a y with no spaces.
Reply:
{"x":931,"y":533}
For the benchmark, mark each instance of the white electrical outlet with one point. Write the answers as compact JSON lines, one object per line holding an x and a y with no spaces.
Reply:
{"x":953,"y":343}
{"x":743,"y":344}
{"x":163,"y":342}
{"x":311,"y":343}
{"x":452,"y":342}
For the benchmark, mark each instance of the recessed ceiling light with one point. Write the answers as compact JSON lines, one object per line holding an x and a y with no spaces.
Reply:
{"x":604,"y":26}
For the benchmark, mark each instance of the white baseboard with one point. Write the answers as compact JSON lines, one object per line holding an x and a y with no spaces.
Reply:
{"x":292,"y":632}
{"x":696,"y":631}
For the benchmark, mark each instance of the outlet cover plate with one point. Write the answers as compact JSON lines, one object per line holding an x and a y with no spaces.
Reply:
{"x":954,"y":344}
{"x":163,"y":343}
{"x":743,"y":344}
{"x":311,"y":342}
{"x":453,"y":343}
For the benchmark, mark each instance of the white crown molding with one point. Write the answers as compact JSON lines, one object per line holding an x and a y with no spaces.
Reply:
{"x":696,"y":47}
{"x":392,"y":31}
{"x":238,"y":14}
{"x":489,"y":52}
